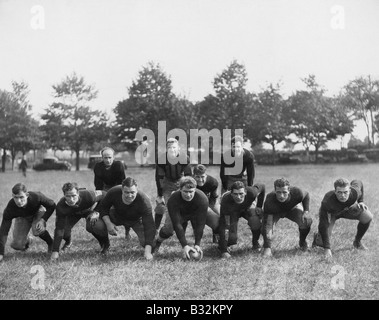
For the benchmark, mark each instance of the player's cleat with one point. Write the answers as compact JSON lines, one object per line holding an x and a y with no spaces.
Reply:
{"x":303,"y":245}
{"x":359,"y":245}
{"x":156,"y":246}
{"x":105,"y":248}
{"x":27,"y":244}
{"x":226,"y":255}
{"x":215,"y":238}
{"x":67,"y":245}
{"x":314,"y":242}
{"x":256,"y":246}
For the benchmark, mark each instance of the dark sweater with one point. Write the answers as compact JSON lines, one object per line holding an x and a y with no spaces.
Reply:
{"x":140,"y":208}
{"x":195,"y":211}
{"x":108,"y":178}
{"x":11,"y":211}
{"x":247,"y":165}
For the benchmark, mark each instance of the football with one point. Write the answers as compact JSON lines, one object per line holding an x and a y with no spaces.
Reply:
{"x":195,"y":255}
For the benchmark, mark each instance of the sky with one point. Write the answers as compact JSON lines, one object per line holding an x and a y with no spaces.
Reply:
{"x":108,"y":43}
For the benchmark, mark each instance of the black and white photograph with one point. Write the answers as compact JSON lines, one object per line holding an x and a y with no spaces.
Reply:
{"x":189,"y":155}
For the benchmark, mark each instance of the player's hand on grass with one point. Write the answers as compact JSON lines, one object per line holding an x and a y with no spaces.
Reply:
{"x":1,"y":257}
{"x":267,"y":252}
{"x":148,"y":255}
{"x":362,"y":206}
{"x":54,"y":256}
{"x":94,"y":217}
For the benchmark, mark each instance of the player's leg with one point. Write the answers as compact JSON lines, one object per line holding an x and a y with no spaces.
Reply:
{"x":21,"y":230}
{"x":268,"y":224}
{"x":164,"y":233}
{"x":317,"y":239}
{"x":213,"y":221}
{"x":71,"y":221}
{"x":216,"y":209}
{"x":296,"y":215}
{"x":42,"y":233}
{"x":361,"y":213}
{"x":140,"y":231}
{"x":255,"y":224}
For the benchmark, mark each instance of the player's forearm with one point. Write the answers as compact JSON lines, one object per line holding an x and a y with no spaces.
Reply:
{"x":58,"y":236}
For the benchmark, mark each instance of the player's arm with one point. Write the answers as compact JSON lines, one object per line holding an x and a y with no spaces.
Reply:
{"x":120,"y":175}
{"x":60,"y":223}
{"x":324,"y":225}
{"x":99,"y":184}
{"x":200,"y":219}
{"x":159,"y":174}
{"x":49,"y":205}
{"x":148,"y":227}
{"x":250,"y":170}
{"x":223,"y":177}
{"x":4,"y":230}
{"x":261,"y":193}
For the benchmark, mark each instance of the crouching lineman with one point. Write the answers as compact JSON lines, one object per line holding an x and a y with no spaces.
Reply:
{"x":132,"y":209}
{"x":187,"y":204}
{"x":345,"y":201}
{"x":31,"y":211}
{"x":74,"y":205}
{"x":286,"y":202}
{"x":237,"y":203}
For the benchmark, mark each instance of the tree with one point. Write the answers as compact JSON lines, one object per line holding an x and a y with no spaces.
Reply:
{"x":77,"y":125}
{"x":18,"y":130}
{"x":315,"y":118}
{"x":150,"y":100}
{"x":361,"y":96}
{"x":233,"y":103}
{"x":271,"y":117}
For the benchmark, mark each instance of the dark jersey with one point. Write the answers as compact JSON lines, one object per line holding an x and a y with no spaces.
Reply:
{"x":140,"y":208}
{"x":296,"y":196}
{"x":108,"y":178}
{"x":12,"y":211}
{"x":235,"y":210}
{"x":172,"y":172}
{"x":331,"y":205}
{"x":210,"y":189}
{"x":195,"y":211}
{"x":88,"y":202}
{"x":247,"y":168}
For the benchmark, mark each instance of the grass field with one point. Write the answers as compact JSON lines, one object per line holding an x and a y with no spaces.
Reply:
{"x":291,"y":274}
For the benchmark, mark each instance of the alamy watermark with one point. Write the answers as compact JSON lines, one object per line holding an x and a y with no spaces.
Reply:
{"x":146,"y":150}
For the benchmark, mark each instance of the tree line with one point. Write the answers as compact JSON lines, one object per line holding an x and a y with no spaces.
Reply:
{"x":309,"y":117}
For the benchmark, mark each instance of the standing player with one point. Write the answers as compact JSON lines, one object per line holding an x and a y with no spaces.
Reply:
{"x":109,"y":173}
{"x":246,"y":175}
{"x":209,"y":186}
{"x":31,"y":210}
{"x":186,"y":204}
{"x":167,"y":177}
{"x":73,"y":206}
{"x":345,"y":201}
{"x":132,"y":209}
{"x":286,"y":202}
{"x":237,"y":203}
